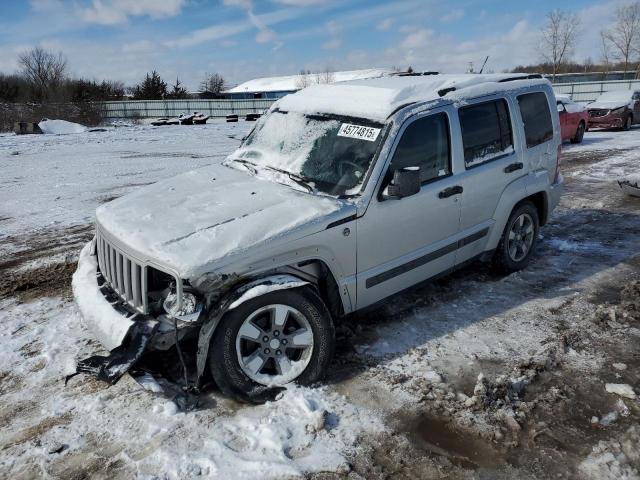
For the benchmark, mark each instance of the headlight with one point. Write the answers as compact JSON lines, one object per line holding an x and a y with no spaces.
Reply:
{"x":189,"y":308}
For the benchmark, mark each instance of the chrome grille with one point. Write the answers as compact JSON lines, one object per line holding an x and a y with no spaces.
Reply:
{"x":126,"y":277}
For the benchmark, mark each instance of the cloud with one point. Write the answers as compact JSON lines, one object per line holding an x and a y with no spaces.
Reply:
{"x":385,"y":24}
{"x":332,"y":44}
{"x":209,"y":34}
{"x":114,"y":12}
{"x":302,"y":3}
{"x":453,"y":15}
{"x":335,"y":35}
{"x":246,"y":4}
{"x":419,"y":38}
{"x":265,"y":34}
{"x":45,"y":5}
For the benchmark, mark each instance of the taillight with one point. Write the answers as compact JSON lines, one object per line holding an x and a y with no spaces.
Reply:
{"x":558,"y":160}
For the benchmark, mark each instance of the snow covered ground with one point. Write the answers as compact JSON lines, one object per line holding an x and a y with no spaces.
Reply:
{"x":472,"y":375}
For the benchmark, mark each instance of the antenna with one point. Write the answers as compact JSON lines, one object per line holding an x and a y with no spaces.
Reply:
{"x":485,"y":62}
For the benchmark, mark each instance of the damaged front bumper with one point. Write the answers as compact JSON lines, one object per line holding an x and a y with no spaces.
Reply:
{"x":125,"y":334}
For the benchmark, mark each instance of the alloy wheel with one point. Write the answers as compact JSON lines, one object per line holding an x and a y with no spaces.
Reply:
{"x":521,"y":238}
{"x":274,"y":344}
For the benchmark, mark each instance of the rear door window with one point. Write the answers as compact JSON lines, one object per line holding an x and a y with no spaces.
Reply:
{"x":534,"y":110}
{"x":486,"y":132}
{"x":425,"y":144}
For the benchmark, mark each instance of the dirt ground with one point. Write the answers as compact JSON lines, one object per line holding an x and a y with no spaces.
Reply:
{"x":476,"y":375}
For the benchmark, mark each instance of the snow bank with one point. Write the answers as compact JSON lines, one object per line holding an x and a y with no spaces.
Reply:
{"x":616,"y":459}
{"x":305,"y":430}
{"x":621,"y":389}
{"x":60,"y":127}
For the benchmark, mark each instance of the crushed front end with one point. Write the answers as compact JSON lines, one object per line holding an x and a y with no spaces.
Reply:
{"x":130,"y":305}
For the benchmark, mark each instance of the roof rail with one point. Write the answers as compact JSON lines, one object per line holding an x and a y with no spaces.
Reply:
{"x":527,"y":77}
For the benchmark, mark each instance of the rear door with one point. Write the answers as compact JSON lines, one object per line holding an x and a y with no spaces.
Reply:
{"x":540,"y":151}
{"x":403,"y":242}
{"x":490,"y":164}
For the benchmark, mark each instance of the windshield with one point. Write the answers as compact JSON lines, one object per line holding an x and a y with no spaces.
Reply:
{"x":324,"y":152}
{"x":618,"y":96}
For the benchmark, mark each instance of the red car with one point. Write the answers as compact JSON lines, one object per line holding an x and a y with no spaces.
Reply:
{"x":617,"y":109}
{"x":573,"y":119}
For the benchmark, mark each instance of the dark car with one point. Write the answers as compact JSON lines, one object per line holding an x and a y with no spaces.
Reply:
{"x":617,"y":109}
{"x":573,"y":119}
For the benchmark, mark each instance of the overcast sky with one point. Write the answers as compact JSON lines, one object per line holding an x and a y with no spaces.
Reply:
{"x":244,"y":39}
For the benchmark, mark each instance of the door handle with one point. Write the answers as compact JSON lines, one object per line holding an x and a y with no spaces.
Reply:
{"x":448,"y":192}
{"x":513,"y":167}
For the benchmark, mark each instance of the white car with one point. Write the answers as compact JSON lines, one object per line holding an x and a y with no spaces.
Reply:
{"x":341,"y":196}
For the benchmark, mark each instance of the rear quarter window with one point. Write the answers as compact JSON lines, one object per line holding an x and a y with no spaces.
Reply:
{"x":535,"y":113}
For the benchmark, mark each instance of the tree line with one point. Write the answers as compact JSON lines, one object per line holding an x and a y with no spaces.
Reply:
{"x":43,"y":77}
{"x":619,"y":43}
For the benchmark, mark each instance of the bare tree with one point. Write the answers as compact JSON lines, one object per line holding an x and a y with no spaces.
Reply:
{"x":326,"y":76}
{"x":213,"y":83}
{"x":44,"y":70}
{"x":304,"y":79}
{"x":558,"y":38}
{"x":624,"y":36}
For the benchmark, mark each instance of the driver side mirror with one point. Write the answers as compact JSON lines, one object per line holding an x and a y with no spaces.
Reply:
{"x":561,"y":109}
{"x":405,"y":182}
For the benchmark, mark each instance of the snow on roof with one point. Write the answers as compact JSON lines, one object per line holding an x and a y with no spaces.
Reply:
{"x":292,"y":82}
{"x":376,"y":99}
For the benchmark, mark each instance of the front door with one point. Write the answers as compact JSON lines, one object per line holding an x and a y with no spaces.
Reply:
{"x":565,"y":127}
{"x":404,"y":241}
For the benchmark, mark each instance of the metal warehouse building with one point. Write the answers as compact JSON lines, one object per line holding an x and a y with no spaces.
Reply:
{"x":276,"y":87}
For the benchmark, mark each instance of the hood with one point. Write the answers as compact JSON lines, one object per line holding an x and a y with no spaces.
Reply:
{"x":606,"y":105}
{"x":191,"y":221}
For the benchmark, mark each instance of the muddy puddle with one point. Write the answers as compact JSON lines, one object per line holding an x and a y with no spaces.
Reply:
{"x":437,"y":436}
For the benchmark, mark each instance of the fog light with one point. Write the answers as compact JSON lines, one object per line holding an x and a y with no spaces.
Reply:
{"x":189,"y":305}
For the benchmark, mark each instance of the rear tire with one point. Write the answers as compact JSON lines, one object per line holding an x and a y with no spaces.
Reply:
{"x":519,"y":239}
{"x":579,"y":134}
{"x":245,"y":366}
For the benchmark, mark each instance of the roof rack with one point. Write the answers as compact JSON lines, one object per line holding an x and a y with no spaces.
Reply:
{"x":444,"y":91}
{"x":417,"y":74}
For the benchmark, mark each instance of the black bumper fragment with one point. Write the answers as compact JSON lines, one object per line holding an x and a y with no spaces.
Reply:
{"x":111,"y":367}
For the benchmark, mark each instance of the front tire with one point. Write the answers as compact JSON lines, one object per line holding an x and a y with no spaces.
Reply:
{"x":628,"y":123}
{"x":519,"y":239}
{"x":272,"y":340}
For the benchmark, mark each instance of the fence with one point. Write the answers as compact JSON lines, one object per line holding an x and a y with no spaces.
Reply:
{"x":588,"y":91}
{"x":173,"y":108}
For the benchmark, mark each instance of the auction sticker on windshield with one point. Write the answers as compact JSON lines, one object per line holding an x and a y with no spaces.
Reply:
{"x":357,"y":131}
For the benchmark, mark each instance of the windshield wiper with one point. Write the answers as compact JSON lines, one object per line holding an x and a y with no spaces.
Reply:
{"x":249,"y":165}
{"x":303,"y":182}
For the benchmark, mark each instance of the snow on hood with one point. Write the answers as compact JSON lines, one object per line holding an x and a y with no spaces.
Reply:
{"x":612,"y":100}
{"x":192,"y":220}
{"x":607,"y":105}
{"x":60,"y":127}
